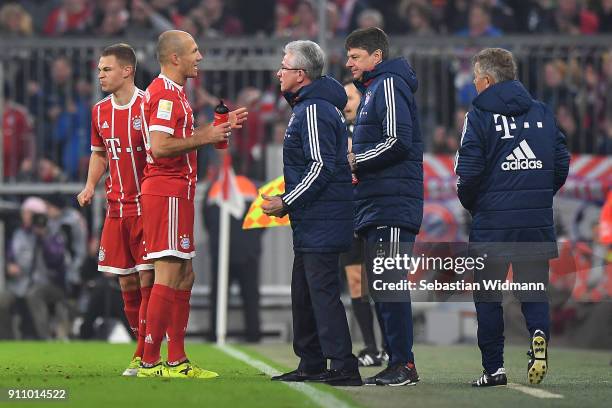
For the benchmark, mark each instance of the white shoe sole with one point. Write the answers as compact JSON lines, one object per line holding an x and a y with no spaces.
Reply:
{"x":538,"y":369}
{"x":130,"y":372}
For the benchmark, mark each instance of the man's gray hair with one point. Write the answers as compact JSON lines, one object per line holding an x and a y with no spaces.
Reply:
{"x":308,"y":56}
{"x":496,"y":62}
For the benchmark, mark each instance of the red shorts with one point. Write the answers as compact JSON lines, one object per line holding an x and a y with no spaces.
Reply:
{"x":121,"y":246}
{"x":168,"y":227}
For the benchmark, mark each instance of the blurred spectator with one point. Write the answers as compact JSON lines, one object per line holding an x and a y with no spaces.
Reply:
{"x":502,"y":15}
{"x":112,"y":18}
{"x":531,"y":14}
{"x":418,"y":19}
{"x":305,"y":21}
{"x":72,"y":225}
{"x":555,"y":90}
{"x":283,"y":19}
{"x":71,"y":17}
{"x":146,"y":21}
{"x":44,"y":171}
{"x":606,"y":16}
{"x":18,"y":139}
{"x":438,"y":143}
{"x":456,"y":15}
{"x":370,"y":18}
{"x":247,"y":143}
{"x":605,"y":138}
{"x":168,"y":9}
{"x":479,"y":23}
{"x":568,"y":124}
{"x":333,"y":19}
{"x":214,"y":20}
{"x":15,"y":21}
{"x":349,"y":12}
{"x":36,"y":268}
{"x":71,"y":118}
{"x":570,"y":18}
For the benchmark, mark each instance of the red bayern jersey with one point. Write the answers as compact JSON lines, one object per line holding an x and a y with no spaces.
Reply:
{"x":116,"y":129}
{"x":165,"y":109}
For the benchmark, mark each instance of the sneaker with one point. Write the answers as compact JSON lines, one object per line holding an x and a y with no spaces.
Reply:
{"x":295,"y":376}
{"x":158,"y":370}
{"x":339,"y":378}
{"x":132,"y":368}
{"x":186,"y":369}
{"x":538,"y":358}
{"x":398,"y":375}
{"x":368,"y":358}
{"x":372,"y":380}
{"x":491,"y":380}
{"x":384,"y":357}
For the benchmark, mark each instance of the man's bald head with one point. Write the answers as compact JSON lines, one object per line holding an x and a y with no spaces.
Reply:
{"x":172,"y":42}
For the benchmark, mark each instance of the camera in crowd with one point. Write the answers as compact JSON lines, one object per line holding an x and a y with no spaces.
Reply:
{"x":39,"y":220}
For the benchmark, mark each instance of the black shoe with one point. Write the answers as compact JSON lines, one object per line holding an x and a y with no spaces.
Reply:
{"x":538,"y":358}
{"x":372,"y":380}
{"x":295,"y":376}
{"x":338,"y":378}
{"x":491,"y":380}
{"x":398,"y":375}
{"x":368,"y":358}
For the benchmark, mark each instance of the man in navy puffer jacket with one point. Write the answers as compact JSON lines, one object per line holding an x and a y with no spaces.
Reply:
{"x":387,"y":159}
{"x":512,"y":160}
{"x":318,"y":199}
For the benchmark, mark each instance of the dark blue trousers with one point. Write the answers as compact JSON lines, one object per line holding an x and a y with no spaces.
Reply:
{"x":320,"y":328}
{"x":395,"y":317}
{"x":490,"y":313}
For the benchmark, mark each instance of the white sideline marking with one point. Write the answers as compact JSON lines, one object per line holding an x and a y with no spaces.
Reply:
{"x":534,"y":392}
{"x":319,"y":397}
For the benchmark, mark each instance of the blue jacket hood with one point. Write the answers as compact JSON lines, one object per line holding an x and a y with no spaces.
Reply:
{"x":509,"y":98}
{"x":396,"y":66}
{"x":326,"y":88}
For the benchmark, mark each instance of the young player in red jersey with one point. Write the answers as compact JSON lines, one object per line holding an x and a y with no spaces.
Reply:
{"x":117,"y":143}
{"x":168,"y":193}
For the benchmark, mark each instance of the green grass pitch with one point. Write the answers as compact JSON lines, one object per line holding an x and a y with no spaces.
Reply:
{"x":90,"y":373}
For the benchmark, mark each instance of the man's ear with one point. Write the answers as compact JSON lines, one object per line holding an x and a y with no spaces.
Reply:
{"x":378,"y":55}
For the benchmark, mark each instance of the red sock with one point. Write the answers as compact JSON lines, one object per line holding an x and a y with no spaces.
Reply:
{"x":131,"y":305}
{"x":178,"y":327}
{"x":158,"y":316}
{"x":145,"y":293}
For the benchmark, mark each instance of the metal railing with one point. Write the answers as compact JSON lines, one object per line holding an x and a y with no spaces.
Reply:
{"x":58,"y":96}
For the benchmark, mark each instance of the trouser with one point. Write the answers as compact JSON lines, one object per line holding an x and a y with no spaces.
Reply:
{"x":38,"y":299}
{"x":247,"y":275}
{"x":490,"y":314}
{"x":394,"y":311}
{"x":320,"y":327}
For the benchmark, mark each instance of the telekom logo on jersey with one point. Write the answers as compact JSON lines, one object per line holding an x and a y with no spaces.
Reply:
{"x":114,"y":147}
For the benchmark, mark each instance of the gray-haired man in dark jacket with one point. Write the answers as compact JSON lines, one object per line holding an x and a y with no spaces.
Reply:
{"x":318,"y":199}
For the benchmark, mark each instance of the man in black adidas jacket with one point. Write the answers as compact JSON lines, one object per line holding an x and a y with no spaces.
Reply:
{"x":512,"y":160}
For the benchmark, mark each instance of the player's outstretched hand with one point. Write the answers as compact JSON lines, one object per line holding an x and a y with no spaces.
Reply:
{"x":85,"y":196}
{"x":238,"y":117}
{"x":210,"y":134}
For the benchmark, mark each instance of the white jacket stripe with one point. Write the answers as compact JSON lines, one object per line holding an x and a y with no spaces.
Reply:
{"x":315,"y":152}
